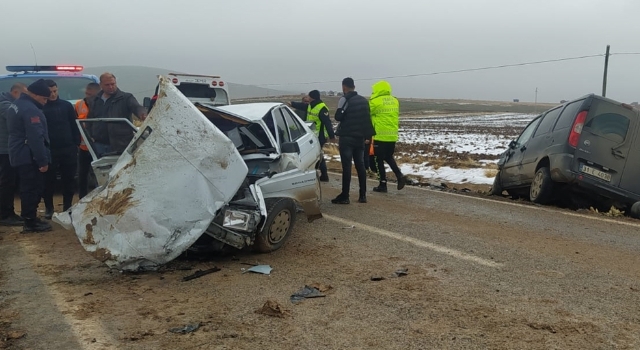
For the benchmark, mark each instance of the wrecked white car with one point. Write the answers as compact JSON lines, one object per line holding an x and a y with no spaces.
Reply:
{"x":195,"y":176}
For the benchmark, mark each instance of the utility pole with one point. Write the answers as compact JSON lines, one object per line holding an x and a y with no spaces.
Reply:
{"x":606,"y":67}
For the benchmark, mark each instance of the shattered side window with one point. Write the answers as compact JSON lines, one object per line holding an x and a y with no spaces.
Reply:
{"x":294,"y":127}
{"x":283,"y":133}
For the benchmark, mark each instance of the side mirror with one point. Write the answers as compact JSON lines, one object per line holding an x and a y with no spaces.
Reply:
{"x":290,"y":147}
{"x":513,"y":144}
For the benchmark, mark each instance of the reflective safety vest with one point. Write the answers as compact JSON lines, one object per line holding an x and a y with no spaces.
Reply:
{"x":385,"y":113}
{"x":313,"y":116}
{"x":82,"y":110}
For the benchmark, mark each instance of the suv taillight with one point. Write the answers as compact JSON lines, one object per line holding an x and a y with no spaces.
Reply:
{"x":576,"y":129}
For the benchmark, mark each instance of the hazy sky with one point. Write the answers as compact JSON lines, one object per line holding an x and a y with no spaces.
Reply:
{"x":294,"y":41}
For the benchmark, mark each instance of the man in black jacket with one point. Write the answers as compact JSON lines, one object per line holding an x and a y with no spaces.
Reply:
{"x":28,"y":150}
{"x":65,"y":139}
{"x":355,"y":127}
{"x":111,"y":102}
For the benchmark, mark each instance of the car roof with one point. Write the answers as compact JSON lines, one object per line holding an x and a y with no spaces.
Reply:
{"x":250,"y":111}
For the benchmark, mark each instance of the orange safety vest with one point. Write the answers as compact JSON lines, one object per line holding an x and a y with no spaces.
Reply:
{"x":82,"y":110}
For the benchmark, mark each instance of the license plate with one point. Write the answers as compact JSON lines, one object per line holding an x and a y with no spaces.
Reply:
{"x":195,"y":80}
{"x":595,"y":172}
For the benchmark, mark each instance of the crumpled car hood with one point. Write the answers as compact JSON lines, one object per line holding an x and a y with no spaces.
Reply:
{"x":161,"y":196}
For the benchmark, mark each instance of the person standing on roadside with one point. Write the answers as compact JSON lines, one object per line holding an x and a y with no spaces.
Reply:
{"x":301,"y":107}
{"x":111,"y":102}
{"x":355,"y":127}
{"x":84,"y":157}
{"x":318,"y":114}
{"x":8,"y":216}
{"x":64,"y":139}
{"x":29,"y":150}
{"x":385,"y":116}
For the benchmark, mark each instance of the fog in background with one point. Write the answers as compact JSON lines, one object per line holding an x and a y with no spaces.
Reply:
{"x":281,"y":43}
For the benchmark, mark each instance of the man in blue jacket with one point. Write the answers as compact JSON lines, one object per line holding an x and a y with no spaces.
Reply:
{"x":8,"y":216}
{"x":65,"y":140}
{"x":29,"y":152}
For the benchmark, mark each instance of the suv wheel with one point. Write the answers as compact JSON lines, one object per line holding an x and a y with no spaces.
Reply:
{"x":281,"y":215}
{"x":634,"y":211}
{"x":496,"y":188}
{"x":541,"y":187}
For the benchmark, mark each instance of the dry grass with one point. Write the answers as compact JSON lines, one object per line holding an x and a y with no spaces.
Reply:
{"x":490,"y":172}
{"x":331,"y":149}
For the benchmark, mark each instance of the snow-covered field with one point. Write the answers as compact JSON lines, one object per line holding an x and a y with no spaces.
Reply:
{"x":455,"y":148}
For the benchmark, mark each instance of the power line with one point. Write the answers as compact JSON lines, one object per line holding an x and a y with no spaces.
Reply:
{"x":447,"y":72}
{"x":625,"y":53}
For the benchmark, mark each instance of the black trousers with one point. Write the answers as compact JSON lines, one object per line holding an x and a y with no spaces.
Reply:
{"x":64,"y":162}
{"x":384,"y":153}
{"x":352,"y":149}
{"x":84,"y":168}
{"x":7,"y":187}
{"x":31,"y":187}
{"x":322,"y":164}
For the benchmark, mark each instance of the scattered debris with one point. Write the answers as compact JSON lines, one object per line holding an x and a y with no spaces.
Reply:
{"x":186,"y":329}
{"x":321,"y":287}
{"x":12,"y":335}
{"x":200,"y":273}
{"x":613,"y":212}
{"x":306,"y":293}
{"x":263,"y":269}
{"x":273,"y":309}
{"x":401,"y":272}
{"x":377,"y":278}
{"x":87,"y":294}
{"x":348,"y":227}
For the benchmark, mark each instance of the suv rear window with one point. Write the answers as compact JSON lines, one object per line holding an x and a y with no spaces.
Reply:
{"x":608,"y":120}
{"x":568,"y":115}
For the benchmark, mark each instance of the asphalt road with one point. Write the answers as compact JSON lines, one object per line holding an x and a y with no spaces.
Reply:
{"x":481,"y":274}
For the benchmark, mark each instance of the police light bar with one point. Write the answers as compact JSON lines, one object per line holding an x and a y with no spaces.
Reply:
{"x":44,"y":68}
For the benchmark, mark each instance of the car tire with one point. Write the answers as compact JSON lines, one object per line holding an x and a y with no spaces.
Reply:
{"x":634,"y":211}
{"x":281,"y":216}
{"x":541,"y":188}
{"x":496,"y":188}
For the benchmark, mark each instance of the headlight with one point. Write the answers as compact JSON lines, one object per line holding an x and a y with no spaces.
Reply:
{"x":240,"y":220}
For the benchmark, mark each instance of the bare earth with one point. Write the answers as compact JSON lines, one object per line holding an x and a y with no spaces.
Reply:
{"x":481,"y":274}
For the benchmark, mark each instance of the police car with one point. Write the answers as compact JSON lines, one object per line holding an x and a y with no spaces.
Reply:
{"x":71,"y":82}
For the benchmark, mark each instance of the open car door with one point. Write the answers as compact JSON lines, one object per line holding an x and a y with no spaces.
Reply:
{"x":162,"y":192}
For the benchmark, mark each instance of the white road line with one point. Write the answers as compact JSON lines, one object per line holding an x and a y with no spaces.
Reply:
{"x":419,"y":243}
{"x":545,"y":209}
{"x":83,"y":330}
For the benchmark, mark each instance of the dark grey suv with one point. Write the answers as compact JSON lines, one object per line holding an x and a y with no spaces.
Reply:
{"x":588,"y":145}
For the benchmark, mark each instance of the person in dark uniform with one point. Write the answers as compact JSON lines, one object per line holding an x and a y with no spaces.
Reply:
{"x":29,"y":152}
{"x":65,"y":140}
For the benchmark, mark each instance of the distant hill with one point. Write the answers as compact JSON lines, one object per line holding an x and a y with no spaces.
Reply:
{"x":141,"y":82}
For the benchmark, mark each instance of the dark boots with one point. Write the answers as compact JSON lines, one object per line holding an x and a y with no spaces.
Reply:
{"x":36,"y":225}
{"x":382,"y":187}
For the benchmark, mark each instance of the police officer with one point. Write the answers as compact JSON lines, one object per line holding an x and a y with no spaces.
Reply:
{"x":29,"y":152}
{"x":385,"y":116}
{"x":318,"y":113}
{"x":65,"y":139}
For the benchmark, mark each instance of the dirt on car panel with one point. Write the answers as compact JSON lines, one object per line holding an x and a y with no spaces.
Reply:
{"x":117,"y":204}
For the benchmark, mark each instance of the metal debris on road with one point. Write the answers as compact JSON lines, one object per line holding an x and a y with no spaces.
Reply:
{"x":377,"y":278}
{"x":263,"y":269}
{"x":186,"y":329}
{"x":200,"y":273}
{"x":401,"y":272}
{"x":306,"y":293}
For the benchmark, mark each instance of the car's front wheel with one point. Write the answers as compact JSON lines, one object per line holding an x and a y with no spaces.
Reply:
{"x":281,"y":215}
{"x":541,"y":189}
